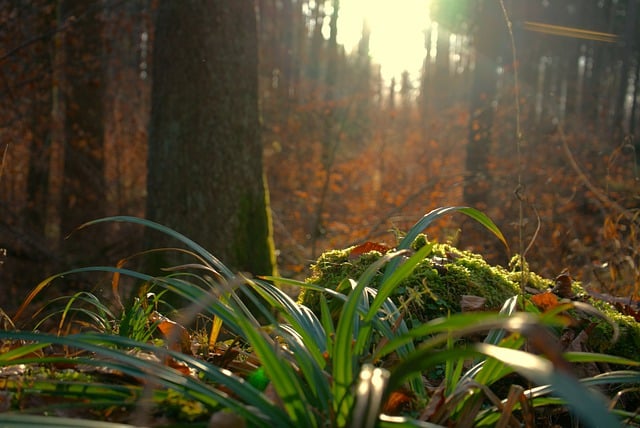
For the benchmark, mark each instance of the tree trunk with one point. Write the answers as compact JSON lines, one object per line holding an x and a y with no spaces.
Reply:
{"x":487,"y":39}
{"x":205,"y":175}
{"x":83,"y":187}
{"x":40,"y":150}
{"x":627,"y":66}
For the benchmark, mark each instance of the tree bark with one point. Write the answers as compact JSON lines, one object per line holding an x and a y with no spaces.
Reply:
{"x":487,"y":38}
{"x":83,"y":186}
{"x":205,"y":175}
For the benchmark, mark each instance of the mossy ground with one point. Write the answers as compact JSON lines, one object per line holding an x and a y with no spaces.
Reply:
{"x":436,"y":286}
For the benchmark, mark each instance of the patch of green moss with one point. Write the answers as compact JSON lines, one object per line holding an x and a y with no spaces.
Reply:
{"x":436,"y":286}
{"x":602,"y":332}
{"x":253,"y":245}
{"x":531,"y":279}
{"x":181,"y":408}
{"x":434,"y":289}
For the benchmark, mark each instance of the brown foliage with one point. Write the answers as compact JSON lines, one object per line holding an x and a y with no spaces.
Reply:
{"x":347,"y":158}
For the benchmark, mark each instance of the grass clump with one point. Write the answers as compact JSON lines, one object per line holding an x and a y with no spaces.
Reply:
{"x":344,"y":364}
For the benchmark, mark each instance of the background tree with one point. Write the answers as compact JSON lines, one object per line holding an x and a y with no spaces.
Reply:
{"x":489,"y":35}
{"x":395,"y":160}
{"x":205,"y":157}
{"x":83,"y":186}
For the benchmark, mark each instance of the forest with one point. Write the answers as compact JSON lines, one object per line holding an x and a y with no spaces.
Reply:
{"x":363,"y":156}
{"x":253,"y":130}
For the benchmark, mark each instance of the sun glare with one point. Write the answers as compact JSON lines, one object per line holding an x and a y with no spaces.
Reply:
{"x":397,"y":32}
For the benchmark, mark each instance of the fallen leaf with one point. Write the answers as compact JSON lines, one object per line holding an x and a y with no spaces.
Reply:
{"x":545,"y":301}
{"x":399,"y":402}
{"x":367,"y":247}
{"x":629,"y":310}
{"x":178,"y":338}
{"x":563,"y":285}
{"x":179,"y":366}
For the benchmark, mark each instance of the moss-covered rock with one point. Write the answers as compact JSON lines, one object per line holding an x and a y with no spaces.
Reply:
{"x":437,"y":286}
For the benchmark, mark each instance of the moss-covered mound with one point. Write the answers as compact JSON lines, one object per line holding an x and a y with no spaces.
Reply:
{"x":442,"y":283}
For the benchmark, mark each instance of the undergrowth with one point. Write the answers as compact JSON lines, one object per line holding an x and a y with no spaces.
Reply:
{"x":359,"y":357}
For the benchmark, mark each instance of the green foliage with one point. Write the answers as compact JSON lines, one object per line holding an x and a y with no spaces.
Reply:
{"x":438,"y":282}
{"x":135,"y":319}
{"x":83,"y":305}
{"x":337,"y":366}
{"x":628,"y":342}
{"x":432,"y":290}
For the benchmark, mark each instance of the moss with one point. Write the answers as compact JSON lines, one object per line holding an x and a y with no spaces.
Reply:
{"x":436,"y":287}
{"x":531,"y":280}
{"x":601,"y":334}
{"x":253,"y":246}
{"x":330,"y":269}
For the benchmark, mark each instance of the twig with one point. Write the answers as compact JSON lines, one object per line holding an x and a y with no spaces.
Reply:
{"x":519,"y":190}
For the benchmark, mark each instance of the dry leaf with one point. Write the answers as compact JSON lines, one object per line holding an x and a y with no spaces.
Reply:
{"x":367,"y":247}
{"x":178,"y":338}
{"x":545,"y":301}
{"x":563,"y":286}
{"x":628,"y":310}
{"x":399,"y":402}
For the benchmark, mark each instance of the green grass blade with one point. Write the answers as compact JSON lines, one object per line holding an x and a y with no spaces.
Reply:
{"x":343,"y":360}
{"x":81,"y":394}
{"x":463,"y":323}
{"x":184,"y":289}
{"x":9,"y":420}
{"x":352,"y":337}
{"x":327,"y":324}
{"x":388,"y":285}
{"x":485,"y":221}
{"x":368,"y":313}
{"x":301,"y":318}
{"x":508,"y":308}
{"x":281,"y":374}
{"x":491,"y":370}
{"x":630,"y":377}
{"x":368,"y":396}
{"x":591,"y":408}
{"x":311,"y":369}
{"x":442,"y":330}
{"x":593,"y":357}
{"x":21,"y":351}
{"x":108,"y":347}
{"x":430,"y":217}
{"x":423,"y":360}
{"x":622,"y":377}
{"x":204,"y":253}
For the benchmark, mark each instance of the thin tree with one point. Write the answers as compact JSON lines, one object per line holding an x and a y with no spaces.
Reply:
{"x":205,"y":174}
{"x":487,"y":39}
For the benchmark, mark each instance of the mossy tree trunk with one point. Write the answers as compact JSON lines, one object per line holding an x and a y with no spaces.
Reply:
{"x":205,"y":175}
